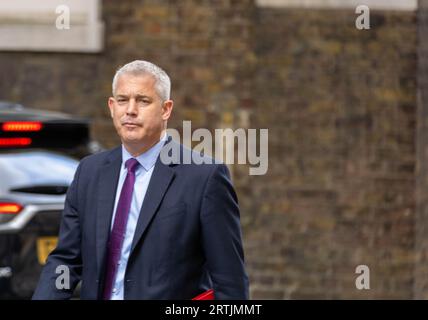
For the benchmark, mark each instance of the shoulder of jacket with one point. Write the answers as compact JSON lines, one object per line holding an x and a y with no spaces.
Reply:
{"x":99,"y":158}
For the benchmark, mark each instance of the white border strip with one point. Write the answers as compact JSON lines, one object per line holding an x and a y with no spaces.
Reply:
{"x":399,"y":5}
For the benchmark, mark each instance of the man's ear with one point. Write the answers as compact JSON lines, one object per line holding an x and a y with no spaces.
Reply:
{"x":167,"y":107}
{"x":111,"y":103}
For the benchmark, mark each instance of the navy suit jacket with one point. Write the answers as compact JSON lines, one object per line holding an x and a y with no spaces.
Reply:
{"x":187,"y":239}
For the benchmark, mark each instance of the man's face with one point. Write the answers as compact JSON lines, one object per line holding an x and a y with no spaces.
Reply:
{"x":138,"y":113}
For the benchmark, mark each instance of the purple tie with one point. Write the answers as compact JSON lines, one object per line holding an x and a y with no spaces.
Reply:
{"x":114,"y":246}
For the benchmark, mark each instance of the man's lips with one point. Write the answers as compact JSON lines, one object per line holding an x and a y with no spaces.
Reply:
{"x":130,"y":124}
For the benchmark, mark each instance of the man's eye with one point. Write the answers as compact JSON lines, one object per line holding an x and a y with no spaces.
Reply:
{"x":121,"y":100}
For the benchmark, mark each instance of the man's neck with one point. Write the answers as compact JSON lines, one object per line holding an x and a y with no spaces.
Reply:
{"x":136,"y":150}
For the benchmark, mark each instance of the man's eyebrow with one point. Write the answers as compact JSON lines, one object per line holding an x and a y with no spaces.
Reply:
{"x":143,"y":96}
{"x":138,"y":96}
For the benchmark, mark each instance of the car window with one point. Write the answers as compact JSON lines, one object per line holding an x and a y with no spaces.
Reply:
{"x":38,"y":168}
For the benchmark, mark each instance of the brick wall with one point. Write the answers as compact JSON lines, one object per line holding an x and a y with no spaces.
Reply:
{"x":340,"y":106}
{"x":421,"y":232}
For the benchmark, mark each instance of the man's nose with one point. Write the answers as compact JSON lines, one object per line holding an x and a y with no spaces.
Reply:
{"x":132,"y":107}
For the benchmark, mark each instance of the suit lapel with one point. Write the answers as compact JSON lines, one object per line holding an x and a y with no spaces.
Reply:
{"x":160,"y":181}
{"x":162,"y":177}
{"x":107,"y":185}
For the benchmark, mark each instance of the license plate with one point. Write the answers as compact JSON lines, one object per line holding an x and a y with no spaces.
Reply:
{"x":44,"y":246}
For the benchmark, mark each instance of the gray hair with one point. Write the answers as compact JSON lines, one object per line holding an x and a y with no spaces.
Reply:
{"x":140,"y":67}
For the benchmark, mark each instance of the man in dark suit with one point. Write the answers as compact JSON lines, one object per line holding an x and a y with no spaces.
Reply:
{"x":136,"y":227}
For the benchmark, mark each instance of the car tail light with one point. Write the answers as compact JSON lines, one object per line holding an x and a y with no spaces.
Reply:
{"x":15,"y":142}
{"x":10,"y":208}
{"x":61,"y":135}
{"x":22,"y":126}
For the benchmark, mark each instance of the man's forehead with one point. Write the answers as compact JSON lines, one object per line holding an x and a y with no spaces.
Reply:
{"x":135,"y":85}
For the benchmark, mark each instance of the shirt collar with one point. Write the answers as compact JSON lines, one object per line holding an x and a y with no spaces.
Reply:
{"x":147,"y":159}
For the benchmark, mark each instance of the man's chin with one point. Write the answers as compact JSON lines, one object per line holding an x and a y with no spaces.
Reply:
{"x":132,"y":135}
{"x":133,"y":141}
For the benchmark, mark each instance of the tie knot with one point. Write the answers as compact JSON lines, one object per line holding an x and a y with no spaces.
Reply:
{"x":131,"y":165}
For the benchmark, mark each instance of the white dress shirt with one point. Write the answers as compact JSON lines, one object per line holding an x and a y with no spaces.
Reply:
{"x":143,"y":174}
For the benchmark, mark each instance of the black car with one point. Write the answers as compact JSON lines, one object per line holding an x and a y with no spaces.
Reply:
{"x":39,"y":153}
